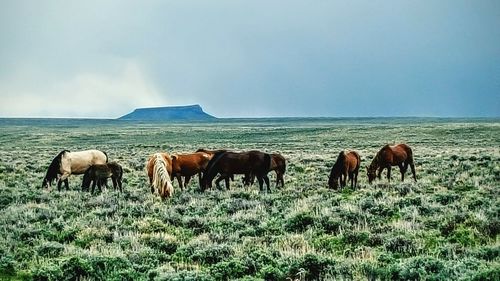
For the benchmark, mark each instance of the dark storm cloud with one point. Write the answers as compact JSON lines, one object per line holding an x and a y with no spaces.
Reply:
{"x":251,"y":58}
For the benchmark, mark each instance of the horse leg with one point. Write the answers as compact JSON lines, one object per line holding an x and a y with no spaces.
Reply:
{"x":94,"y":183}
{"x":66,"y":184}
{"x":412,"y":166}
{"x":186,"y":180}
{"x":389,"y":173}
{"x":115,"y":183}
{"x":218,"y":180}
{"x":379,"y":172}
{"x":402,"y":170}
{"x":351,"y":176}
{"x":62,"y":179}
{"x":261,"y":183}
{"x":356,"y":179}
{"x":199,"y":179}
{"x":179,"y":180}
{"x":228,"y":182}
{"x":266,"y":179}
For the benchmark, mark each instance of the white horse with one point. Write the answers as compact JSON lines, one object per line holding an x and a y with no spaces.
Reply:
{"x":159,"y":169}
{"x":67,"y":163}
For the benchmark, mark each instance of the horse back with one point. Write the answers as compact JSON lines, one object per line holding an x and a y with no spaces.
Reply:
{"x":396,"y":154}
{"x":352,"y":161}
{"x":190,"y":163}
{"x":78,"y":162}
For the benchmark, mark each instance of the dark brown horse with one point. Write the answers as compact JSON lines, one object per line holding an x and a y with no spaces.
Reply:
{"x":278,"y":164}
{"x":347,"y":164}
{"x":237,"y":163}
{"x":399,"y":155}
{"x":98,"y":174}
{"x":188,"y":165}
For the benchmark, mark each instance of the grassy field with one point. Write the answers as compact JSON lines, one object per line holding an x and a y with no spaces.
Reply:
{"x":445,"y":226}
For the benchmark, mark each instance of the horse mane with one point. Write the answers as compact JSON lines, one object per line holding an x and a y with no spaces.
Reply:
{"x":375,"y":161}
{"x":212,"y":163}
{"x":340,"y":159}
{"x":54,"y":167}
{"x":161,"y":178}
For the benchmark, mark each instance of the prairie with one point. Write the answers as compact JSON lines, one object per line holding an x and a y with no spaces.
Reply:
{"x":445,"y":226}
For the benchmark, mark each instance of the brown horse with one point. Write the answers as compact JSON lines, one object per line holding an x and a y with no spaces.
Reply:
{"x":244,"y":163}
{"x":99,"y":174}
{"x":399,"y":155}
{"x":159,"y":169}
{"x":278,"y":164}
{"x":347,"y":164}
{"x":188,"y":165}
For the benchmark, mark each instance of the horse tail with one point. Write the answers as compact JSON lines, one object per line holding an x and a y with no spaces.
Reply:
{"x":54,"y":168}
{"x":161,"y":178}
{"x":267,"y":162}
{"x":283,"y":167}
{"x":106,"y":156}
{"x":359,"y":160}
{"x":410,"y":154}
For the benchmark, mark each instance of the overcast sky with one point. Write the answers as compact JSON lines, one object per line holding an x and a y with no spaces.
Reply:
{"x":250,"y":58}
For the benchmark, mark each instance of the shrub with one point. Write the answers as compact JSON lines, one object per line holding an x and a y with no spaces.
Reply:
{"x":299,"y":222}
{"x":165,"y":243}
{"x":401,"y":245}
{"x":50,"y":249}
{"x":420,"y":268}
{"x":271,"y":273}
{"x":184,"y":275}
{"x":228,"y":270}
{"x":355,"y":238}
{"x":204,"y":254}
{"x":313,"y":266}
{"x":329,"y":225}
{"x":492,"y":273}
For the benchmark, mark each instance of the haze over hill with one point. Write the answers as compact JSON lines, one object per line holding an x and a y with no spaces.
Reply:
{"x":187,"y":112}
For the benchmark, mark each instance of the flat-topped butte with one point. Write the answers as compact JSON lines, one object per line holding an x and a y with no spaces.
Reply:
{"x":172,"y":113}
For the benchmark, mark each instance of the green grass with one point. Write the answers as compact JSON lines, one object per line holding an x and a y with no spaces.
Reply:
{"x":445,"y":226}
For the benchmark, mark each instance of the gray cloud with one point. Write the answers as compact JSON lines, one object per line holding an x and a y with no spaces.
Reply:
{"x":251,"y":58}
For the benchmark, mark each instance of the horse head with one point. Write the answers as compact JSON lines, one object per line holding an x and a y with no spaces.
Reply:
{"x":372,"y":173}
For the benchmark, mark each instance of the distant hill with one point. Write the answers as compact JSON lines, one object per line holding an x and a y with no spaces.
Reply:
{"x":169,"y":113}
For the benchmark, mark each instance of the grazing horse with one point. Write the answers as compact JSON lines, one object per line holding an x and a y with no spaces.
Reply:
{"x":99,"y":174}
{"x":278,"y":164}
{"x":347,"y":164}
{"x":396,"y":155}
{"x":67,"y":163}
{"x":159,"y":169}
{"x":188,"y":165}
{"x":230,"y":163}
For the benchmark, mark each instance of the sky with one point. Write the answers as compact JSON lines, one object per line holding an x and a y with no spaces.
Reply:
{"x":102,"y":59}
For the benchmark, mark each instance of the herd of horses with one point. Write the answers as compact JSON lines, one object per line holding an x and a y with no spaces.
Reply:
{"x":162,"y":168}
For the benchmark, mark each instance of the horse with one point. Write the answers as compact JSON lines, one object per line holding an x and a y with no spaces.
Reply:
{"x":188,"y":165}
{"x":67,"y":163}
{"x":99,"y":174}
{"x":211,"y":153}
{"x":347,"y":164}
{"x":159,"y":170}
{"x":230,"y":163}
{"x":399,"y":155}
{"x":278,"y":164}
